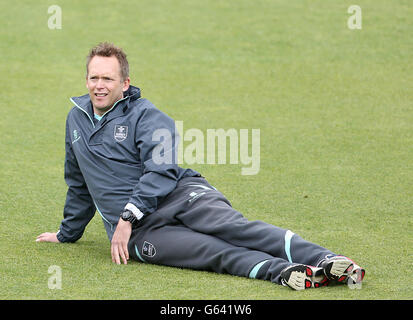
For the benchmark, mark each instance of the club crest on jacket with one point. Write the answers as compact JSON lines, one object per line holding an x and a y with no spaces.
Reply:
{"x":120,"y":133}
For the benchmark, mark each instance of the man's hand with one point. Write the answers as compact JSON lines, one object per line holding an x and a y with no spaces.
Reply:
{"x":120,"y":239}
{"x":47,"y":237}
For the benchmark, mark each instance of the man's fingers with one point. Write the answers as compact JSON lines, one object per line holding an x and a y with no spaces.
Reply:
{"x":123,"y":256}
{"x":120,"y":239}
{"x":126,"y":251}
{"x":40,"y":237}
{"x":119,"y":252}
{"x":123,"y":250}
{"x":115,"y":254}
{"x":47,"y":237}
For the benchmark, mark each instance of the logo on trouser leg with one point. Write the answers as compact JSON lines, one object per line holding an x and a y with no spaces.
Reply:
{"x":148,"y":249}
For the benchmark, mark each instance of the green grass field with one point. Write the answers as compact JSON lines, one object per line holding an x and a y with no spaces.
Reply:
{"x":334,"y":107}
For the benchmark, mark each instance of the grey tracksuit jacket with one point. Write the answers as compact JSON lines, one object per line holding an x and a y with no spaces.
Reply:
{"x":128,"y":160}
{"x":110,"y":164}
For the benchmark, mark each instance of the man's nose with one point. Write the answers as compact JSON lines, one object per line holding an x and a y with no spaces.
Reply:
{"x":100,"y":84}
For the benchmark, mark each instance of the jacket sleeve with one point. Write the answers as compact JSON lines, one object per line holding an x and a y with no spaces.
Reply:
{"x":79,"y":208}
{"x":157,"y":140}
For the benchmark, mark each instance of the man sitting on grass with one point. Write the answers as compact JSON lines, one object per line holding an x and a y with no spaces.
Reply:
{"x":157,"y":212}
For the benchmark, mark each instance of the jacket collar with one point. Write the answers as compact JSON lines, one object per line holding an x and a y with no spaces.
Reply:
{"x":84,"y":102}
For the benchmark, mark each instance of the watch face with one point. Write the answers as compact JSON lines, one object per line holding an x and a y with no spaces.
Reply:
{"x":125,"y":215}
{"x":128,"y":216}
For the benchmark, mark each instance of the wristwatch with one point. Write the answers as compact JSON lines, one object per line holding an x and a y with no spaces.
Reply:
{"x":127,"y":215}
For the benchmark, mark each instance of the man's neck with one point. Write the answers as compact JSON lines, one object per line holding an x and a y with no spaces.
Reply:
{"x":101,"y":112}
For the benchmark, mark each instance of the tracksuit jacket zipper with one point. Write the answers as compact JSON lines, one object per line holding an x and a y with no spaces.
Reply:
{"x":94,"y":127}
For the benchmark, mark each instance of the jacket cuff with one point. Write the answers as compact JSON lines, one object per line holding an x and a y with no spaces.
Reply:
{"x":59,"y":236}
{"x":136,"y":212}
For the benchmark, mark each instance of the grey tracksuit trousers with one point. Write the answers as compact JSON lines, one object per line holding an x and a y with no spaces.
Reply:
{"x":195,"y":227}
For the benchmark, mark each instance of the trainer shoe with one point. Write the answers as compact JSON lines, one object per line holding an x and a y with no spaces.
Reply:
{"x":341,"y":268}
{"x":300,"y":277}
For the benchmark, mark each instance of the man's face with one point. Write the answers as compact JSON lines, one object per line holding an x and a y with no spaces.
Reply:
{"x":105,"y":83}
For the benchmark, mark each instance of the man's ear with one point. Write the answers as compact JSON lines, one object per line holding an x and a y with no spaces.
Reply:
{"x":126,"y":84}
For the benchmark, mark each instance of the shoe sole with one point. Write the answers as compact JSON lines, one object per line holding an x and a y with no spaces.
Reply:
{"x":300,"y":277}
{"x":341,"y":269}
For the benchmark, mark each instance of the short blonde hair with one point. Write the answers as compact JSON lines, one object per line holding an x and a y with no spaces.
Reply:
{"x":106,"y":49}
